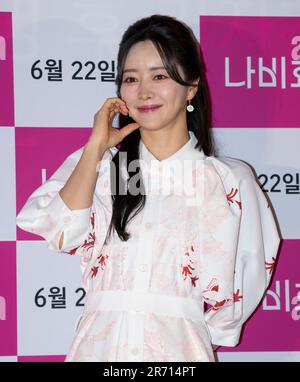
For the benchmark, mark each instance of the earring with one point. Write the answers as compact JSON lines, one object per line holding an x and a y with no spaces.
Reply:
{"x":190,"y":107}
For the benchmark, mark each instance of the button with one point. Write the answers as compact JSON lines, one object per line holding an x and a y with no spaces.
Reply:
{"x":67,"y":219}
{"x":148,"y":225}
{"x":135,"y":351}
{"x":143,"y":267}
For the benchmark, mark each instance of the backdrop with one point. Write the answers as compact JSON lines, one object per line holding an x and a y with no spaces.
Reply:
{"x":58,"y":65}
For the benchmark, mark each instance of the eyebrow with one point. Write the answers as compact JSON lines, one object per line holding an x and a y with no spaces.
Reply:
{"x":136,"y":70}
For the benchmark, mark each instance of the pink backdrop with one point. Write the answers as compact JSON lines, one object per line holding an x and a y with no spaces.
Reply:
{"x":253,"y":70}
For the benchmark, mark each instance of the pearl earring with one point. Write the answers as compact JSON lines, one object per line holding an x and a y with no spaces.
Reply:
{"x":190,"y":107}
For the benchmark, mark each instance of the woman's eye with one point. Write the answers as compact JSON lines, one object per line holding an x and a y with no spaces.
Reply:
{"x":128,"y":79}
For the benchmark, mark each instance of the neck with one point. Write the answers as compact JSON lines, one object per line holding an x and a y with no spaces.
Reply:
{"x":164,"y":142}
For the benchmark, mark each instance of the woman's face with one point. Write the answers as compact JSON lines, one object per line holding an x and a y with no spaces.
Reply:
{"x":144,"y":86}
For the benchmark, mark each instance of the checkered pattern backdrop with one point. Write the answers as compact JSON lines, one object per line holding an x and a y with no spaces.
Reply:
{"x":58,"y":65}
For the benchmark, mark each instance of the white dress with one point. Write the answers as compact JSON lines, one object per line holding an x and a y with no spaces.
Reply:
{"x":145,"y":296}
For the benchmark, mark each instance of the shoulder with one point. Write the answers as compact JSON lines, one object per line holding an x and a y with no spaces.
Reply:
{"x":232,"y":168}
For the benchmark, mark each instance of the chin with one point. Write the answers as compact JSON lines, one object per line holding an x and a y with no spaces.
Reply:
{"x":150,"y":127}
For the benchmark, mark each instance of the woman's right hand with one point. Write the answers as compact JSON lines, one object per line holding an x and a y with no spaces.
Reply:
{"x":103,"y":133}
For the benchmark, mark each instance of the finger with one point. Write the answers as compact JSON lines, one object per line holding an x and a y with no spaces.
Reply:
{"x":115,"y":102}
{"x":120,"y":107}
{"x":117,"y":109}
{"x":114,"y":109}
{"x":129,"y":129}
{"x":109,"y":107}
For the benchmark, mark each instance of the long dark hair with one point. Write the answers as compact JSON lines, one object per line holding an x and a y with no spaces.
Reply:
{"x":176,"y":45}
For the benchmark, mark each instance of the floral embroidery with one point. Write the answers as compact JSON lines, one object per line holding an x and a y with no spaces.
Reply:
{"x":72,"y":251}
{"x":194,"y":279}
{"x":101,"y":264}
{"x":187,"y":270}
{"x":90,"y":242}
{"x":270,"y":266}
{"x":236,"y":296}
{"x":219,"y":304}
{"x":213,"y":286}
{"x":230,"y":197}
{"x":94,"y":271}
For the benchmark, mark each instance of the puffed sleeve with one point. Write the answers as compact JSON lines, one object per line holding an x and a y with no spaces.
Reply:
{"x":46,"y":214}
{"x":245,"y":241}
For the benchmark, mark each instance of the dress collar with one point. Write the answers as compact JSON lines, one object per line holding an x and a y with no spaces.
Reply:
{"x":158,"y":174}
{"x":187,"y":151}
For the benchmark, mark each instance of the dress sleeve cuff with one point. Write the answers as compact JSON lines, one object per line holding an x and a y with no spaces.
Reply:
{"x":74,"y":224}
{"x":221,"y":337}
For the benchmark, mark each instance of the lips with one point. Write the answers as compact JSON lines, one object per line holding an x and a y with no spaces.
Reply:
{"x":148,"y":108}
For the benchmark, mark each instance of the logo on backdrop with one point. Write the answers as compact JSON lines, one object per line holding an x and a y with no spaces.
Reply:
{"x":6,"y":71}
{"x":254,"y":79}
{"x":281,"y":299}
{"x":265,"y":75}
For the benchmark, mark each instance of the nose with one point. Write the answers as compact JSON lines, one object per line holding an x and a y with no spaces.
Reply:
{"x":145,"y":90}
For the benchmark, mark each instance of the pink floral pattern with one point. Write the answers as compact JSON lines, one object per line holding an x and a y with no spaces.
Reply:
{"x":270,"y":266}
{"x":188,"y":268}
{"x":88,"y":243}
{"x":231,"y":195}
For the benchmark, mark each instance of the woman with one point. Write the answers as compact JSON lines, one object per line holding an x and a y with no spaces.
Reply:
{"x":169,"y":274}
